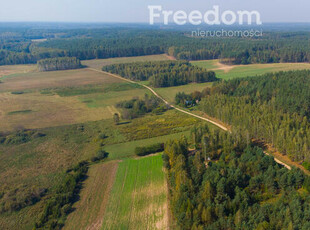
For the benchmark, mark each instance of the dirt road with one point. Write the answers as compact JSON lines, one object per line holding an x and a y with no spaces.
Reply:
{"x":181,"y":110}
{"x":166,"y":102}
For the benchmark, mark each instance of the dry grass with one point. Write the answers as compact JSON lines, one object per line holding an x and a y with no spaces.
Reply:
{"x":94,"y":197}
{"x":43,"y":80}
{"x":41,"y":163}
{"x":7,"y":70}
{"x":47,"y":111}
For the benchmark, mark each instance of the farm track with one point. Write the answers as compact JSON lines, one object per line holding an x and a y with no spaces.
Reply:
{"x":183,"y":111}
{"x":166,"y":102}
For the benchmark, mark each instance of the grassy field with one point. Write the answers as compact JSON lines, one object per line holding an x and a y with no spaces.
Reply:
{"x":111,"y":98}
{"x":153,"y":125}
{"x":170,"y":92}
{"x":42,"y":80}
{"x":139,"y":196}
{"x":235,"y":71}
{"x":7,"y":70}
{"x":34,"y":110}
{"x":99,"y":63}
{"x":148,"y":130}
{"x":60,"y":98}
{"x":127,"y":149}
{"x":90,"y":209}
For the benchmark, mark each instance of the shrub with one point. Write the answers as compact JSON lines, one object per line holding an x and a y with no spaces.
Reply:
{"x":165,"y":158}
{"x":2,"y":140}
{"x":155,"y":148}
{"x":102,"y":136}
{"x":21,"y":137}
{"x":17,"y":92}
{"x":101,"y":155}
{"x":18,"y":199}
{"x":306,"y":165}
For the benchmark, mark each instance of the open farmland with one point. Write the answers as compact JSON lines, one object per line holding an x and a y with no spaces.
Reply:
{"x":139,"y":196}
{"x":236,"y":71}
{"x":54,"y":79}
{"x":34,"y":110}
{"x":38,"y":100}
{"x":99,"y":63}
{"x":41,"y":162}
{"x":64,"y":146}
{"x":7,"y":70}
{"x":90,"y":209}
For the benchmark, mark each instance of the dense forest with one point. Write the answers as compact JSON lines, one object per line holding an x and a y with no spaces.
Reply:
{"x":21,"y":45}
{"x":163,"y":73}
{"x":225,"y":183}
{"x":64,"y":63}
{"x":274,"y":108}
{"x":272,"y":48}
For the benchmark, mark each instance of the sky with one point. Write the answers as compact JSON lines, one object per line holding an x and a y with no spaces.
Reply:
{"x":130,"y":11}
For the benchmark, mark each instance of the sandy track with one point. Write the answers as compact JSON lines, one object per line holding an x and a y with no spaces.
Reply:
{"x":166,"y":102}
{"x":224,"y":67}
{"x":170,"y":57}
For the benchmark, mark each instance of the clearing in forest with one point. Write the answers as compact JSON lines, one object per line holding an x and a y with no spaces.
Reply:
{"x":235,"y":71}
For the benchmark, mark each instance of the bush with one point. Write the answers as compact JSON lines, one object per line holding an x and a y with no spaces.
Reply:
{"x":21,"y":137}
{"x":17,"y":92}
{"x":2,"y":140}
{"x":101,"y":155}
{"x":102,"y":136}
{"x":17,"y":199}
{"x":165,"y":158}
{"x":306,"y":165}
{"x":155,"y":148}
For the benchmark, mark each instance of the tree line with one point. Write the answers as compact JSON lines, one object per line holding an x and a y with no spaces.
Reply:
{"x":64,"y":63}
{"x":226,"y":183}
{"x":59,"y":205}
{"x":163,"y":73}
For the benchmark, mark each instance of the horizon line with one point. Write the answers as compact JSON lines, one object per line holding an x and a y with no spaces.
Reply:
{"x":102,"y":22}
